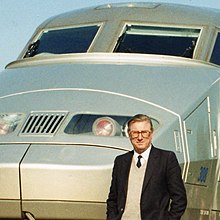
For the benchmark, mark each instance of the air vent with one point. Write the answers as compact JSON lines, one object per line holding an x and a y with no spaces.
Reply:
{"x":43,"y":123}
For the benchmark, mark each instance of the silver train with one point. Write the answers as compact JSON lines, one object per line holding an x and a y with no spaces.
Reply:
{"x":65,"y":102}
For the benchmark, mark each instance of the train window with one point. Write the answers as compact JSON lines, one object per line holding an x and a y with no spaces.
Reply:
{"x":158,"y":40}
{"x":215,"y":58}
{"x":63,"y":41}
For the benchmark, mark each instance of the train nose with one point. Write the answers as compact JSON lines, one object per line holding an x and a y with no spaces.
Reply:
{"x":66,"y":179}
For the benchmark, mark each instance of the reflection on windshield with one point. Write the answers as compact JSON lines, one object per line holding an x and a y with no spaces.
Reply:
{"x":63,"y":41}
{"x":158,"y":40}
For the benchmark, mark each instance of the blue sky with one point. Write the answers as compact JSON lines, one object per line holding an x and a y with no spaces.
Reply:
{"x":20,"y":18}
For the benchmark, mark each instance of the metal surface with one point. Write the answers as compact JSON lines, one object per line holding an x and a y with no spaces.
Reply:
{"x":49,"y":173}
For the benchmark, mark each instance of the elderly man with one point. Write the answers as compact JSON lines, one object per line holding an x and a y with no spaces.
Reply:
{"x":146,"y":182}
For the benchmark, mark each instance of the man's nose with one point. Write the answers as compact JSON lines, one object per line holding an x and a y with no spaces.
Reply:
{"x":139,"y":136}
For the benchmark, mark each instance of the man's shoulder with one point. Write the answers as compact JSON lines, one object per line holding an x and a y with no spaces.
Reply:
{"x":162,"y":151}
{"x":128,"y":154}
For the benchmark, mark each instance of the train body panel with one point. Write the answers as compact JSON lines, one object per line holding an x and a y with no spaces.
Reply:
{"x":66,"y":100}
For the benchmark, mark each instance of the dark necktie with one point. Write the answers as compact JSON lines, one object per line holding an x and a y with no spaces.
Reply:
{"x":139,"y":161}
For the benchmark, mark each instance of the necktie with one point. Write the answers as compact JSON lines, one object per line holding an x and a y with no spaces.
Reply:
{"x":139,"y":161}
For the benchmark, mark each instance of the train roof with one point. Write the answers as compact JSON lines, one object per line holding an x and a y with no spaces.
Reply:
{"x":139,"y":12}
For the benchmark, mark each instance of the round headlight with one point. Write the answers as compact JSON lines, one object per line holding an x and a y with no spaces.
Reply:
{"x":8,"y":123}
{"x":106,"y":126}
{"x":4,"y":128}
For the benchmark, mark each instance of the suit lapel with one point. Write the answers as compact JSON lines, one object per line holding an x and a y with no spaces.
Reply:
{"x":151,"y":166}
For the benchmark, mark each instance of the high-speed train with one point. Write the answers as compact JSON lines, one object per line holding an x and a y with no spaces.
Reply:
{"x":66,"y":100}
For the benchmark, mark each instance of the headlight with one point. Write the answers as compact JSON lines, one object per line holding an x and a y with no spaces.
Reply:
{"x":106,"y":126}
{"x":9,"y":122}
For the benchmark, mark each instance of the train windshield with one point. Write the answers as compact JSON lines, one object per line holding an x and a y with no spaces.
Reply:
{"x":64,"y":41}
{"x":158,"y":40}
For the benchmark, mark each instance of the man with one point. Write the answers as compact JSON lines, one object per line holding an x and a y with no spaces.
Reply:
{"x":146,"y":182}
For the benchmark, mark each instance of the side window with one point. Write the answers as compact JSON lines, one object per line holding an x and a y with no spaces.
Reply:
{"x":158,"y":40}
{"x":63,"y":41}
{"x":215,"y":57}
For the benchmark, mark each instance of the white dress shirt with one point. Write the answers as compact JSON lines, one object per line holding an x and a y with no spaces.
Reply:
{"x":145,"y":155}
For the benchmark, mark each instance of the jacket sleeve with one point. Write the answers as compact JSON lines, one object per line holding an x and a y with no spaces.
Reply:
{"x":176,"y":188}
{"x":112,"y":206}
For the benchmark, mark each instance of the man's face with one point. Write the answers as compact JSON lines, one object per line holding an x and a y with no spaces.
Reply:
{"x":140,"y":135}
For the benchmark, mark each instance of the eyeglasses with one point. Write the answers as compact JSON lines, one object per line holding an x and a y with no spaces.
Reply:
{"x":144,"y":134}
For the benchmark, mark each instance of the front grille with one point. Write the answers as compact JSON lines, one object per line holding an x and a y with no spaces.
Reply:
{"x":43,"y":123}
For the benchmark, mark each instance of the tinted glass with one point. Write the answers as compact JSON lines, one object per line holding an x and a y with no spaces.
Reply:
{"x":158,"y":40}
{"x":83,"y":123}
{"x":63,"y":41}
{"x":215,"y":58}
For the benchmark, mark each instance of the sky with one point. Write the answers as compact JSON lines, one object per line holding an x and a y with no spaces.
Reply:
{"x":20,"y":18}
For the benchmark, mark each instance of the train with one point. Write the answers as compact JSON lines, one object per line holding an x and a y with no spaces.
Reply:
{"x":66,"y":100}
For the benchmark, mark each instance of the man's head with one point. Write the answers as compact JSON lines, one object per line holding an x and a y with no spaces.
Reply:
{"x":140,"y":130}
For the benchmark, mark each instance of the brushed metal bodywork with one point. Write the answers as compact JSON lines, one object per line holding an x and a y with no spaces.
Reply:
{"x":64,"y":176}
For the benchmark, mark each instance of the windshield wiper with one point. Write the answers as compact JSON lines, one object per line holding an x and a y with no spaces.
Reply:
{"x":189,"y":50}
{"x":32,"y":49}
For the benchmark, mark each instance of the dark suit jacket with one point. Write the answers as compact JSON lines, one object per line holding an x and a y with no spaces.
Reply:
{"x":163,"y":193}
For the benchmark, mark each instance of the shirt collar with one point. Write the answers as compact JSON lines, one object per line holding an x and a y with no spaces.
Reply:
{"x":145,"y":154}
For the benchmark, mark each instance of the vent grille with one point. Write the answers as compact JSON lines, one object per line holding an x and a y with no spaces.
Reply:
{"x":43,"y":123}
